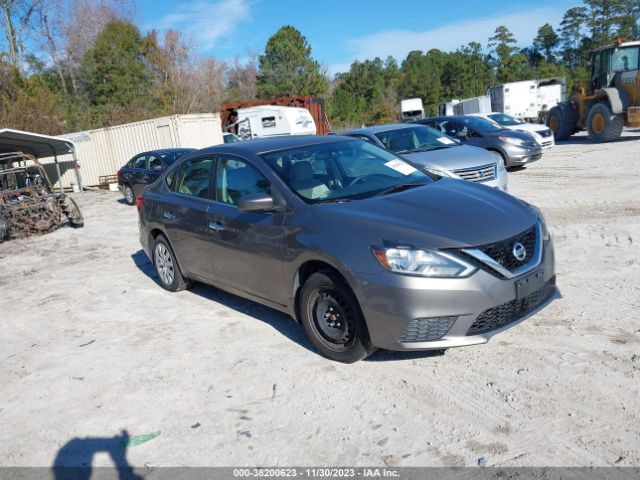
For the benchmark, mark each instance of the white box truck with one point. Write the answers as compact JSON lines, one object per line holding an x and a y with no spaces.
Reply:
{"x":411,"y":108}
{"x":529,"y":99}
{"x":273,"y":121}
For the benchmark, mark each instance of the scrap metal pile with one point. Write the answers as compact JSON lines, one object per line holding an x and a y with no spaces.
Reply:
{"x":28,"y":205}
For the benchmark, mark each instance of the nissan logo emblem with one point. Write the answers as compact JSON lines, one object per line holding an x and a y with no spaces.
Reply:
{"x":519,"y":251}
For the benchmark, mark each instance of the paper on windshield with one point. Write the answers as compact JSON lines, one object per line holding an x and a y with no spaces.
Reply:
{"x":400,"y":166}
{"x":445,"y":140}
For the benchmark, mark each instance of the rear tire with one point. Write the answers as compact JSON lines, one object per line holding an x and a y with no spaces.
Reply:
{"x":129,"y":196}
{"x":332,"y":318}
{"x":602,"y":124}
{"x":562,"y":120}
{"x":164,"y":260}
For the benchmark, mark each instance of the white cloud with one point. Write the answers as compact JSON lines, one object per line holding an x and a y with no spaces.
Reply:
{"x":398,"y":43}
{"x":207,"y":22}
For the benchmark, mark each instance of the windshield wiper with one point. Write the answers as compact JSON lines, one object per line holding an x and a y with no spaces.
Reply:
{"x":336,"y":200}
{"x":399,"y":188}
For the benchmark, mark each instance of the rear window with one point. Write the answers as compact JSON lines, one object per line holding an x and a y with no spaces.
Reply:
{"x":169,"y":158}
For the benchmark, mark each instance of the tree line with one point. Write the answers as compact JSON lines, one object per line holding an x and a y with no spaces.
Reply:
{"x":68,"y":65}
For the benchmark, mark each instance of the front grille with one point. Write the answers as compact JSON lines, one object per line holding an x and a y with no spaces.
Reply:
{"x":485,"y":173}
{"x":427,"y":329}
{"x":510,"y":312}
{"x":502,"y":252}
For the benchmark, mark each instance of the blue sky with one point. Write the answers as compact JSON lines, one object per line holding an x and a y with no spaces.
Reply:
{"x":342,"y":31}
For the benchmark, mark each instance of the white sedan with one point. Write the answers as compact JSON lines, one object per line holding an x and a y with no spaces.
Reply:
{"x":542,"y":134}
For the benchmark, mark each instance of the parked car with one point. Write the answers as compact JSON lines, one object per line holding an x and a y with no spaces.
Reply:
{"x":514,"y":148}
{"x":541,"y":133}
{"x":437,"y":153}
{"x":144,"y":169}
{"x":358,"y":245}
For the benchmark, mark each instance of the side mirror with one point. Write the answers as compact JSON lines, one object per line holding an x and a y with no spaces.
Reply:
{"x":255,"y":203}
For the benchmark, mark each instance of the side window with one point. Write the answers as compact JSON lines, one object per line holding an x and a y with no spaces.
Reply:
{"x":138,"y":162}
{"x":236,"y":178}
{"x":193,"y":177}
{"x":154,"y":163}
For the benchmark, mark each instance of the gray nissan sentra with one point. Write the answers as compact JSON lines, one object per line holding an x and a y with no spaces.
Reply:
{"x":355,"y":243}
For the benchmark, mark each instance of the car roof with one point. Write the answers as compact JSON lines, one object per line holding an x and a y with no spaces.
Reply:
{"x":259,"y":146}
{"x":379,"y":128}
{"x":169,"y":150}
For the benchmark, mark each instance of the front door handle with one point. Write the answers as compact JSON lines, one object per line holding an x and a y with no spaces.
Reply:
{"x":217,"y":226}
{"x":169,"y":215}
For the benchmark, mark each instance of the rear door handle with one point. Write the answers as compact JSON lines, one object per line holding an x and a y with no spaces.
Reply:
{"x":217,"y":226}
{"x":169,"y":215}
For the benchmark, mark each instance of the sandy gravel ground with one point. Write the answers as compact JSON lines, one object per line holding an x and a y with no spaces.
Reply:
{"x":91,"y":346}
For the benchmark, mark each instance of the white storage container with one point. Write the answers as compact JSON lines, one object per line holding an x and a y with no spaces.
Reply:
{"x":103,"y":151}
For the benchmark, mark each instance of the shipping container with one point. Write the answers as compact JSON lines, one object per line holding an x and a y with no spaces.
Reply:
{"x":103,"y":151}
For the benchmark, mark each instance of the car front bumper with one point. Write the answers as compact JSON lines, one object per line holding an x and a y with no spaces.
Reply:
{"x":416,"y":313}
{"x":517,"y":155}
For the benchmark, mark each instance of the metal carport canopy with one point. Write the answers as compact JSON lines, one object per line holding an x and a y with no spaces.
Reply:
{"x":40,"y":146}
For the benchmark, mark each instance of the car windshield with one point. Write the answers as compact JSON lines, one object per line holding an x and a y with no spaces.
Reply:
{"x":343,"y":171}
{"x":417,"y":138}
{"x":481,"y":125}
{"x":504,"y":119}
{"x":170,"y":157}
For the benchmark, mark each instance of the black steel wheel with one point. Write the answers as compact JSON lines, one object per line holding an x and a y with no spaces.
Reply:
{"x":332,"y":318}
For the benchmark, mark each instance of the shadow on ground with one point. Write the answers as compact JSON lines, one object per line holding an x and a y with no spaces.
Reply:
{"x":74,"y":459}
{"x":278,"y":320}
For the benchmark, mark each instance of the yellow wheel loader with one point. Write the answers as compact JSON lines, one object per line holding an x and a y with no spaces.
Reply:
{"x":607,"y":102}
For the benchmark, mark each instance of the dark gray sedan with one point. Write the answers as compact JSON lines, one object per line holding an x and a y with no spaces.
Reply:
{"x":515,"y":148}
{"x":359,"y":246}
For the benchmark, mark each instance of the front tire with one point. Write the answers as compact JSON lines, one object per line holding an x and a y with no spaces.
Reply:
{"x":602,"y":124}
{"x":332,"y":318}
{"x":169,"y":274}
{"x":562,"y":120}
{"x":129,"y":196}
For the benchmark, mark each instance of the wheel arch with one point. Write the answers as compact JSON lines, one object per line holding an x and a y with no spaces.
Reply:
{"x":308,"y":267}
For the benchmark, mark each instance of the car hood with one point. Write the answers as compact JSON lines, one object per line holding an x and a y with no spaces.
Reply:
{"x":526,"y":136}
{"x":528,"y":127}
{"x":452,"y":158}
{"x":447,"y":213}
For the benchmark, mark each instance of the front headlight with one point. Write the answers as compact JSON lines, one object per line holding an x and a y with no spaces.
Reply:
{"x":512,"y":140}
{"x":546,"y":235}
{"x":441,"y":173}
{"x":425,"y":263}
